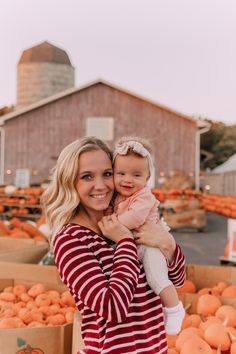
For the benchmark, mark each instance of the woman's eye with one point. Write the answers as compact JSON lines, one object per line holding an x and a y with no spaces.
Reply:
{"x":108,"y":174}
{"x":86,"y":177}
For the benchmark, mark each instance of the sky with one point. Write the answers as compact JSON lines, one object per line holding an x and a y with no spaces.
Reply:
{"x":179,"y":53}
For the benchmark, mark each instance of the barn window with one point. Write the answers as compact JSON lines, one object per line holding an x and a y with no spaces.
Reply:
{"x":101,"y":127}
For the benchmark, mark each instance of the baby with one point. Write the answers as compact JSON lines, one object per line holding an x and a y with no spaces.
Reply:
{"x":134,"y":205}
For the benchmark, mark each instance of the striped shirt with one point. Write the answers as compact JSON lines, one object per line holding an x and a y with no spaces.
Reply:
{"x":121,"y":313}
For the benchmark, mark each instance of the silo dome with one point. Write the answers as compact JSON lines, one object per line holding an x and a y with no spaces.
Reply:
{"x":42,"y":71}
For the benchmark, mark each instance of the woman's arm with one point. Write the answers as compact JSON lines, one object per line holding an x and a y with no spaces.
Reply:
{"x":176,"y":269}
{"x":81,"y":271}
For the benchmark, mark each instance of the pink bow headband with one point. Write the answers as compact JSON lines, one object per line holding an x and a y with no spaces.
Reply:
{"x":122,"y":149}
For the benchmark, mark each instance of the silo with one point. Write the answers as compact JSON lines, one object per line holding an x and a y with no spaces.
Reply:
{"x":42,"y":71}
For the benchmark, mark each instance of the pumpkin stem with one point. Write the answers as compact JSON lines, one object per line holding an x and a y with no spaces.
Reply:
{"x":28,"y":349}
{"x":226,"y":320}
{"x":187,"y":306}
{"x":203,"y":318}
{"x":232,"y":337}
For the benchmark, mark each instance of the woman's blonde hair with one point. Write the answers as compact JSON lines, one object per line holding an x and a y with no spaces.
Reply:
{"x":60,"y":200}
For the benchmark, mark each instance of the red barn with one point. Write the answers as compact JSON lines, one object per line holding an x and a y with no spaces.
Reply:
{"x":32,"y":137}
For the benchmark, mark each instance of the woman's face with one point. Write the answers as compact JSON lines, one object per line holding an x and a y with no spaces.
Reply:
{"x":95,"y":185}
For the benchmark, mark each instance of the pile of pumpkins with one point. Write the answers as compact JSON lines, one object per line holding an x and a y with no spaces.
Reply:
{"x":184,"y":194}
{"x":225,"y":205}
{"x":35,"y":306}
{"x":17,"y":228}
{"x":211,"y":328}
{"x":20,"y":196}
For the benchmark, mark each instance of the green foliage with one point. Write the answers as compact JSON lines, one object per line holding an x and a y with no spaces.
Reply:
{"x":220,"y":141}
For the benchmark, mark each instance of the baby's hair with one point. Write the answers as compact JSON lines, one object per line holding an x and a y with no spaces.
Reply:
{"x":146,"y":144}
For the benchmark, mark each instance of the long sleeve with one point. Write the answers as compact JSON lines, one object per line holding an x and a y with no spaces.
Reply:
{"x":176,"y":269}
{"x":82,"y":272}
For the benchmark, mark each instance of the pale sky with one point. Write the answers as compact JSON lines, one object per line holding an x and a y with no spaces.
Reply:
{"x":180,"y":53}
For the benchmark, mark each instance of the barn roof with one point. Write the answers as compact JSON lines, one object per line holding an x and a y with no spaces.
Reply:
{"x":73,"y":90}
{"x":44,"y":52}
{"x":227,"y":166}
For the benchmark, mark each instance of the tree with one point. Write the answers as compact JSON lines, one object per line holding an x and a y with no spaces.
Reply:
{"x":219,"y":142}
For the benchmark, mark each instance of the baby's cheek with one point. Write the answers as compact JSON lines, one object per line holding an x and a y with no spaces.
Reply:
{"x":116,"y":181}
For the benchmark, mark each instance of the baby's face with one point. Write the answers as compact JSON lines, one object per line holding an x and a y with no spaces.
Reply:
{"x":131,"y":173}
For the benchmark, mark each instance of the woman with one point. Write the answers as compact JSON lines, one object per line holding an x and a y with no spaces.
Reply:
{"x":120,"y":312}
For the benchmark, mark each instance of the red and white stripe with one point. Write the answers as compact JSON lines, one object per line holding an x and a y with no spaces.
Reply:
{"x":121,"y":313}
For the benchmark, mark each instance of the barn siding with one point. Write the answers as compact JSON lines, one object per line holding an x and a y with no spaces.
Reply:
{"x":34,"y":139}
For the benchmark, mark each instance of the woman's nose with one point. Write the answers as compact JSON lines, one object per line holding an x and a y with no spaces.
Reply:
{"x":100,"y":183}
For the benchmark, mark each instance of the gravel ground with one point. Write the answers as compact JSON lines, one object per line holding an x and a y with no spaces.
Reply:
{"x":205,"y":247}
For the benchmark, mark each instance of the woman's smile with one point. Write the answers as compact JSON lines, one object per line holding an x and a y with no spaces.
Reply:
{"x":99,"y":196}
{"x":95,"y":181}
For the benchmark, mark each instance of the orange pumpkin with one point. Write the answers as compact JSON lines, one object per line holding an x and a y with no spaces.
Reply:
{"x":188,"y":287}
{"x":210,"y":291}
{"x":193,"y":320}
{"x":233,"y":348}
{"x":207,"y":305}
{"x":195,"y":345}
{"x":18,"y":233}
{"x":31,"y":230}
{"x":12,"y":322}
{"x":36,"y":290}
{"x":185,"y":334}
{"x":210,"y":320}
{"x":220,"y":286}
{"x":226,"y":250}
{"x":227,"y":313}
{"x":217,"y":335}
{"x":172,"y":351}
{"x":3,"y":228}
{"x":230,"y":291}
{"x":56,"y":320}
{"x":233,"y":344}
{"x":35,"y":324}
{"x":30,"y":350}
{"x":15,"y":222}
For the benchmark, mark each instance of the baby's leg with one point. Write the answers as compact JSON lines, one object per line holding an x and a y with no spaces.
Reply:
{"x":169,"y":296}
{"x":156,"y":271}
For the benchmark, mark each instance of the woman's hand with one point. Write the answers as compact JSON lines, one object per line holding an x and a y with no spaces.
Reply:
{"x":112,"y":229}
{"x":156,"y":235}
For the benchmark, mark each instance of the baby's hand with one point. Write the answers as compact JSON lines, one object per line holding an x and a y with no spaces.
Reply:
{"x":108,"y":211}
{"x":112,"y":229}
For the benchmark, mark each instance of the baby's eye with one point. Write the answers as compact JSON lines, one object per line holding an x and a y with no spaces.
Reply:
{"x":137,"y":175}
{"x":108,"y":174}
{"x":86,"y":177}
